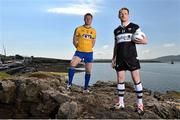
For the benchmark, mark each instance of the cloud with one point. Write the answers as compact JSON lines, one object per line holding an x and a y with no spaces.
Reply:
{"x":146,"y":51}
{"x":169,"y":45}
{"x":103,"y":52}
{"x":98,"y":53}
{"x":105,"y":46}
{"x":80,"y":8}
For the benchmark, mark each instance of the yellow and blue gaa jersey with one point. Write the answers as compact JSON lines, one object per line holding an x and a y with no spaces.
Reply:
{"x":85,"y":37}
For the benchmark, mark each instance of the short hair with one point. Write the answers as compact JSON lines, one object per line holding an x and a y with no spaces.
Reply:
{"x":124,"y":8}
{"x":88,"y":14}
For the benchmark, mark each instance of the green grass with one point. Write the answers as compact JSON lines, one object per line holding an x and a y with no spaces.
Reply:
{"x":58,"y":73}
{"x":4,"y":75}
{"x":42,"y":74}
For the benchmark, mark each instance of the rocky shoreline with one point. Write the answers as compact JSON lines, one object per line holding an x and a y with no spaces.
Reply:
{"x":34,"y":96}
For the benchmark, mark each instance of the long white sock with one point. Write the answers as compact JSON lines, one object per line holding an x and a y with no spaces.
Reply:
{"x":139,"y":92}
{"x":121,"y":89}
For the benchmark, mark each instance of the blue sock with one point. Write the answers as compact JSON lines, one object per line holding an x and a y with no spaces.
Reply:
{"x":87,"y":78}
{"x":71,"y":72}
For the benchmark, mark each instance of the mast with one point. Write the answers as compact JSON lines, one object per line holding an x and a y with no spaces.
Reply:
{"x":4,"y":50}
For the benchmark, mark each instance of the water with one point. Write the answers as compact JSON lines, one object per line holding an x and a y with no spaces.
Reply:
{"x":160,"y":77}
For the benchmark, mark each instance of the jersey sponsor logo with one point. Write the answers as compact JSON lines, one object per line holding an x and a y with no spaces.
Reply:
{"x":123,"y":31}
{"x":87,"y":36}
{"x":126,"y":37}
{"x":129,"y":29}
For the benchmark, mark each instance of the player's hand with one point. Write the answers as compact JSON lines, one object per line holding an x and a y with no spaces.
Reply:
{"x":140,"y":41}
{"x":137,"y":41}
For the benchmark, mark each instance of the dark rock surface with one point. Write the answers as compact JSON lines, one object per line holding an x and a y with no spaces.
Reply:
{"x":32,"y":97}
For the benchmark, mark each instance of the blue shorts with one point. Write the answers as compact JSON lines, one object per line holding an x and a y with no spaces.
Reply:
{"x":86,"y":56}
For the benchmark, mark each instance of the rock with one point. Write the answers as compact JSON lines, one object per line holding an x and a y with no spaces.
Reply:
{"x":62,"y":89}
{"x":150,"y":102}
{"x":47,"y":97}
{"x":150,"y":115}
{"x":56,"y":95}
{"x":28,"y":90}
{"x":158,"y":95}
{"x":6,"y":111}
{"x":172,"y":95}
{"x":68,"y":110}
{"x":44,"y":109}
{"x":1,"y":87}
{"x":102,"y":83}
{"x":166,"y":111}
{"x":8,"y":92}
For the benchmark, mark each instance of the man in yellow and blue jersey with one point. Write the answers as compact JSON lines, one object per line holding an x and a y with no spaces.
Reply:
{"x":84,"y":40}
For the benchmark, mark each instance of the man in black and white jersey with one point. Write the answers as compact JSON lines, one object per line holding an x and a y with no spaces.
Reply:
{"x":125,"y":58}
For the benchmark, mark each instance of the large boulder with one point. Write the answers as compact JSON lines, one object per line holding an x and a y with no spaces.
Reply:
{"x":8,"y":92}
{"x":68,"y":110}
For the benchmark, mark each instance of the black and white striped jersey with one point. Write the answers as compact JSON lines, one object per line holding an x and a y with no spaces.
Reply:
{"x":123,"y":36}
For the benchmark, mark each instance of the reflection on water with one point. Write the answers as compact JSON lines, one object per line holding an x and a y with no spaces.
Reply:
{"x":155,"y":76}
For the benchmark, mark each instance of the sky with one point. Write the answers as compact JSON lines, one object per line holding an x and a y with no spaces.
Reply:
{"x":44,"y":28}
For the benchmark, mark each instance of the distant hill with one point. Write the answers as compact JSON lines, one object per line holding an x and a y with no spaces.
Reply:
{"x":102,"y":60}
{"x":168,"y":58}
{"x":109,"y":61}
